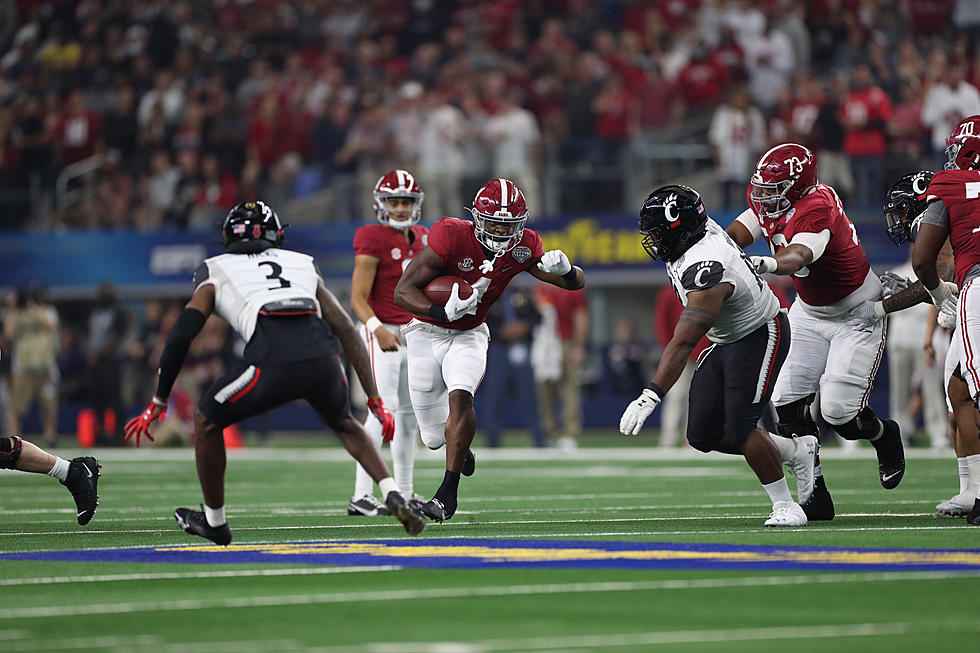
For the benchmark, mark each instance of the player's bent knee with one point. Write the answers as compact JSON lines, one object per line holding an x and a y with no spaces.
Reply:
{"x":433,"y":437}
{"x":838,"y":414}
{"x":10,"y":449}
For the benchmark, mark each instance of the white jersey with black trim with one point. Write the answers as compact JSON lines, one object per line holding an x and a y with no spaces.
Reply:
{"x":717,"y":259}
{"x":244,"y":283}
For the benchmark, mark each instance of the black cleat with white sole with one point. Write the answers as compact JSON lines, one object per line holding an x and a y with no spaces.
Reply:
{"x":891,"y":455}
{"x":469,"y":464}
{"x":437,"y":510}
{"x":196,"y":523}
{"x":408,"y":512}
{"x":83,"y":483}
{"x":820,"y":505}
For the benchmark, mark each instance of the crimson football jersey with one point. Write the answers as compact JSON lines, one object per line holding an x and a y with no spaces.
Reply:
{"x":456,"y":244}
{"x":958,"y":190}
{"x":843,"y":266}
{"x":393,"y":252}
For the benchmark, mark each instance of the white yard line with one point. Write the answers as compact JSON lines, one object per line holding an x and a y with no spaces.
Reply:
{"x":180,"y":575}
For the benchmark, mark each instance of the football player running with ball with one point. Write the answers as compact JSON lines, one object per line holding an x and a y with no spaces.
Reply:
{"x":447,"y":345}
{"x":953,"y":212}
{"x":381,"y":252}
{"x":277,"y":302}
{"x":838,"y":327}
{"x":726,"y":299}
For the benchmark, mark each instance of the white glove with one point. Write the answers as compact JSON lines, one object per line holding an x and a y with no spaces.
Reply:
{"x":947,"y":313}
{"x":942,"y":292}
{"x":457,"y":308}
{"x":892,"y":284}
{"x":555,"y":262}
{"x":867,"y":314}
{"x":638,"y":411}
{"x":763,"y":264}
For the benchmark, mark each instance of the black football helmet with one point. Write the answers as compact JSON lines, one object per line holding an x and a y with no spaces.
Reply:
{"x":251,"y":222}
{"x":906,"y":199}
{"x":671,"y":220}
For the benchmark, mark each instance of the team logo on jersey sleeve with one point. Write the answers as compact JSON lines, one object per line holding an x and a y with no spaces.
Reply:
{"x":425,"y":240}
{"x":396,"y":253}
{"x":521,"y":254}
{"x":466,"y":264}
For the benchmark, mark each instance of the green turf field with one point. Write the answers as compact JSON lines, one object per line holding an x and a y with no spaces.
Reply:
{"x":552,"y":499}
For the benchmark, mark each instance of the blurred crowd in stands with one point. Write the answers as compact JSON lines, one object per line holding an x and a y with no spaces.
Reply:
{"x":189,"y":107}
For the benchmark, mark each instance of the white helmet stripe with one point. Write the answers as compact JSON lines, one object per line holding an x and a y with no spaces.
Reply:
{"x":409,"y":179}
{"x":504,"y":194}
{"x":401,"y":178}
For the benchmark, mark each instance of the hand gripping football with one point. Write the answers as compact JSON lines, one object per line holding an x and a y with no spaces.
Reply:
{"x":439,"y":289}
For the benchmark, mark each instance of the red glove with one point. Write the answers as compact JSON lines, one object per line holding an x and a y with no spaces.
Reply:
{"x":387,"y":421}
{"x":141,"y":425}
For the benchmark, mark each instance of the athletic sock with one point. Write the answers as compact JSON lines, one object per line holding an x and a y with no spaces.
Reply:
{"x":363,"y":483}
{"x":403,"y":451}
{"x":786,"y":446}
{"x":963,"y":468}
{"x":60,"y":469}
{"x":386,"y":485}
{"x":880,"y":432}
{"x":778,"y":490}
{"x":215,"y":516}
{"x":449,"y":488}
{"x":973,"y":487}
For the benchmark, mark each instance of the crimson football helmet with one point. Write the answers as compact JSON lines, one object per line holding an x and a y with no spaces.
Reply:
{"x":398,"y":183}
{"x":783,"y":175}
{"x":963,"y":145}
{"x":499,"y":214}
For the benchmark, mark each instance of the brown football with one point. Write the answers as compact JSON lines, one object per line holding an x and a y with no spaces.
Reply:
{"x":440,"y":288}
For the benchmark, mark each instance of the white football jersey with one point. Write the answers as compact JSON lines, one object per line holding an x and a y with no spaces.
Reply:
{"x":717,"y":259}
{"x":244,"y":283}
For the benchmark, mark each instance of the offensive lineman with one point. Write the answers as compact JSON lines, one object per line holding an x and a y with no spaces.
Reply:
{"x":381,"y":252}
{"x":836,"y":346}
{"x":276,"y":300}
{"x":726,"y":299}
{"x":953,"y":212}
{"x":447,"y":345}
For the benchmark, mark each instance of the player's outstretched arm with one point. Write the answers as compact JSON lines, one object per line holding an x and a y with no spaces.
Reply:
{"x":420,"y":271}
{"x":555,"y":268}
{"x":190,"y":323}
{"x":342,"y":327}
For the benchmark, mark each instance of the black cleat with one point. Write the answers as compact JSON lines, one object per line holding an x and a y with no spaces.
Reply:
{"x":891,"y":455}
{"x":196,"y":523}
{"x":820,"y":505}
{"x":436,"y":510}
{"x":368,"y":506}
{"x":974,"y":517}
{"x":409,"y":513}
{"x":82,"y":481}
{"x":469,"y":464}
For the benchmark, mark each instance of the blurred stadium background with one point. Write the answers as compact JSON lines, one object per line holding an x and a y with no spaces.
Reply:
{"x":129,"y":127}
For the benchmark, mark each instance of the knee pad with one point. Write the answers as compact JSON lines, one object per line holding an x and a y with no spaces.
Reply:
{"x":433,"y":437}
{"x":837,"y":414}
{"x":10,"y":449}
{"x":860,"y":427}
{"x":794,"y":418}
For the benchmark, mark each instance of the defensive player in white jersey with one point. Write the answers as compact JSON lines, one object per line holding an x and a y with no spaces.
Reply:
{"x":381,"y":252}
{"x":838,"y":331}
{"x":277,"y":302}
{"x":725,"y":299}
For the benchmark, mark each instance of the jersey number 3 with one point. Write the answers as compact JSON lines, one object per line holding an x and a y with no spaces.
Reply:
{"x":275,"y":272}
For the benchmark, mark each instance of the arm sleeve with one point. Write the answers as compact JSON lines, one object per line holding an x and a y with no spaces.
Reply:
{"x":815,"y":242}
{"x":935,"y":213}
{"x":189,"y":324}
{"x":750,"y":222}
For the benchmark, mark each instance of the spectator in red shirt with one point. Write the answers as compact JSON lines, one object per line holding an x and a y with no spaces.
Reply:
{"x":79,"y":131}
{"x":865,"y":113}
{"x":702,"y":81}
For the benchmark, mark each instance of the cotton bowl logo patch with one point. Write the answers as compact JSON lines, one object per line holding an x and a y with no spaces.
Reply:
{"x":466,"y":264}
{"x":396,"y":253}
{"x":521,"y":254}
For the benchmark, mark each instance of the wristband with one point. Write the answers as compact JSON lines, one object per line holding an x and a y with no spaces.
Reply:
{"x":939,"y":293}
{"x":657,"y":390}
{"x":162,"y":403}
{"x":372,"y":324}
{"x":438,"y":313}
{"x":570,"y":275}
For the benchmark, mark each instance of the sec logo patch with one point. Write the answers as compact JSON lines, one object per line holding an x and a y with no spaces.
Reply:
{"x":396,"y":253}
{"x":521,"y":254}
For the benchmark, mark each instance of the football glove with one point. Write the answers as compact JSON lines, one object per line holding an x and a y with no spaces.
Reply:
{"x":947,"y":313}
{"x":555,"y":262}
{"x":384,"y":416}
{"x":892,"y":284}
{"x":638,"y":411}
{"x":942,"y":292}
{"x":867,"y":314}
{"x":457,"y":308}
{"x":155,"y":410}
{"x":763,"y":264}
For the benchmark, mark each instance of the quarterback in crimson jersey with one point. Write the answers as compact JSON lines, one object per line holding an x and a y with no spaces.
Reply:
{"x":838,"y":338}
{"x":381,"y":252}
{"x":953,"y":211}
{"x":447,"y":345}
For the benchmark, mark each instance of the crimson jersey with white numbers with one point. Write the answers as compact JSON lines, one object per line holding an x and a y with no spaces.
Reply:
{"x":393,"y":252}
{"x":843,"y":266}
{"x":959,"y":191}
{"x":455,"y":242}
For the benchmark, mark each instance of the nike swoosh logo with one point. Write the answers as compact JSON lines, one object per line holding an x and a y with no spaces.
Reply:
{"x":888,"y":477}
{"x":81,"y":513}
{"x":88,"y":471}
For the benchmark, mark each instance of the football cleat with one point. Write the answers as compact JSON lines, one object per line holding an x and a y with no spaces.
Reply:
{"x":802,"y":466}
{"x":974,"y":517}
{"x":82,"y":481}
{"x":196,"y":523}
{"x":891,"y":455}
{"x":367,"y":506}
{"x":469,"y":464}
{"x":409,"y":513}
{"x":436,"y":510}
{"x":955,"y":507}
{"x":786,"y":513}
{"x":820,"y":505}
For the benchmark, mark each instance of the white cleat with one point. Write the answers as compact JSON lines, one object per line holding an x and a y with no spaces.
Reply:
{"x":801,"y":465}
{"x":786,"y":513}
{"x":953,"y":508}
